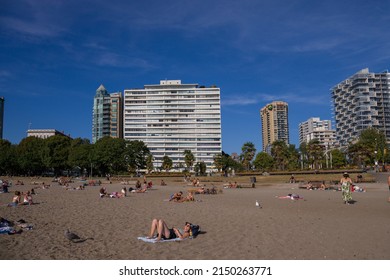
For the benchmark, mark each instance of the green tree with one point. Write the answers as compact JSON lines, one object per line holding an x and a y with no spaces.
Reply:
{"x":109,"y":155}
{"x":200,"y":168}
{"x":279,"y":151}
{"x":8,"y":162}
{"x":149,"y":163}
{"x":29,"y":155}
{"x":80,"y":154}
{"x":292,"y":158}
{"x":338,"y":159}
{"x":136,"y":155}
{"x":189,"y":159}
{"x":263,"y":161}
{"x":166,"y":163}
{"x":315,"y":153}
{"x":56,"y":153}
{"x":248,"y":152}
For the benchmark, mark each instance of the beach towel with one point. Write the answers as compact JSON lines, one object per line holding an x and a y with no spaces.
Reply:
{"x":154,"y":240}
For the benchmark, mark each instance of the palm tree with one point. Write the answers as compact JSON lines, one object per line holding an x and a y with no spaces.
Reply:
{"x":315,"y":153}
{"x":279,"y":152}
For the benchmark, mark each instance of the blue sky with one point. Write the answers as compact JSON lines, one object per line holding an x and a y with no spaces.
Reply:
{"x":55,"y":54}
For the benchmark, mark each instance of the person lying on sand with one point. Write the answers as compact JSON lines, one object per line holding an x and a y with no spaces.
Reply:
{"x":291,"y":196}
{"x":176,"y":196}
{"x":160,"y":228}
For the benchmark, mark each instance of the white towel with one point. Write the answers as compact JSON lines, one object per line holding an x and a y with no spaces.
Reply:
{"x":154,"y":240}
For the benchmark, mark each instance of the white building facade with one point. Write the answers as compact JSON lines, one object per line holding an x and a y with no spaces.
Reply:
{"x":314,"y":128}
{"x":360,"y":102}
{"x":173,"y":117}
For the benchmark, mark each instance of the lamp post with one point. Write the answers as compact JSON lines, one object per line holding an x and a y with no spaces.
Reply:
{"x":376,"y":155}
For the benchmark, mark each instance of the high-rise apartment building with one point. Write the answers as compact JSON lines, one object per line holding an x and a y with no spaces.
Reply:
{"x":107,"y":114}
{"x":274,"y":121}
{"x":1,"y":116}
{"x":314,"y":128}
{"x":173,"y":117}
{"x":360,"y":102}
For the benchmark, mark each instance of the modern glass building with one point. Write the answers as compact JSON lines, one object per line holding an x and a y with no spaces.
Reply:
{"x":107,"y":114}
{"x":274,"y":121}
{"x":173,"y":117}
{"x":360,"y":102}
{"x":1,"y":116}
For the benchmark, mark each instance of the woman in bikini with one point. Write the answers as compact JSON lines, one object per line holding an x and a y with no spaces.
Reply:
{"x":164,"y":232}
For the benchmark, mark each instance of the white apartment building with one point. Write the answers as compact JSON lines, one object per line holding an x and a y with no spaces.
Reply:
{"x":360,"y":102}
{"x":314,"y":128}
{"x":172,"y":117}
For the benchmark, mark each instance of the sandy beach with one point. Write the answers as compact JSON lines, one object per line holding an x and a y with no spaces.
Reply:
{"x":317,"y":227}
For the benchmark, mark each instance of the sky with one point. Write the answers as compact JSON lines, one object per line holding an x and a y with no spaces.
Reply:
{"x":55,"y":54}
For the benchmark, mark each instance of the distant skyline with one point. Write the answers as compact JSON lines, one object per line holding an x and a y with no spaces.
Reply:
{"x":55,"y":54}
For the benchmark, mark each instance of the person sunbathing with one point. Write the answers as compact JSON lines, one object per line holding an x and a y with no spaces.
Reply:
{"x":162,"y":230}
{"x":176,"y":196}
{"x":27,"y":199}
{"x":15,"y":199}
{"x":291,"y":196}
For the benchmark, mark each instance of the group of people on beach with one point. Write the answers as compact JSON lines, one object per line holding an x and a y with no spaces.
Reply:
{"x":17,"y":198}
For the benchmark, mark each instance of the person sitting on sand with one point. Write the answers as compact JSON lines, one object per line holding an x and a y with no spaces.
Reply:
{"x":323,"y":186}
{"x":27,"y":198}
{"x":124,"y":191}
{"x":15,"y":199}
{"x":138,"y":184}
{"x":309,"y":186}
{"x":163,"y":183}
{"x":160,"y":228}
{"x":103,"y":192}
{"x":32,"y":192}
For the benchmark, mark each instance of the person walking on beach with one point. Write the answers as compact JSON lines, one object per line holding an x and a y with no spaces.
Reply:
{"x":388,"y":182}
{"x":346,"y":183}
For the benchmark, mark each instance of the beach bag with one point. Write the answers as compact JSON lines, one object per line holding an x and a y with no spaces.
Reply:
{"x":195,"y":229}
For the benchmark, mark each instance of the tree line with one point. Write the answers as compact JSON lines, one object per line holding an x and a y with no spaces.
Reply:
{"x":368,"y":149}
{"x":35,"y":156}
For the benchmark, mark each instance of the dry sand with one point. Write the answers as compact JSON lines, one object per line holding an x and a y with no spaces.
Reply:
{"x":318,"y":227}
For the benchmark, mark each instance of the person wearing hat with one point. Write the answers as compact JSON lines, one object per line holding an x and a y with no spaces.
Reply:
{"x":346,"y":183}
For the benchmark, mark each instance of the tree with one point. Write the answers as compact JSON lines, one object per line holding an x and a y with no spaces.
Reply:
{"x":248,"y":152}
{"x":279,"y":152}
{"x":109,"y":155}
{"x":56,"y":153}
{"x":136,"y":156}
{"x":224,"y":162}
{"x":29,"y":155}
{"x":338,"y":159}
{"x":315,"y":153}
{"x":80,"y":154}
{"x":200,"y":168}
{"x":149,"y":163}
{"x":263,"y":161}
{"x":8,"y":163}
{"x":166,"y":163}
{"x":189,"y":159}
